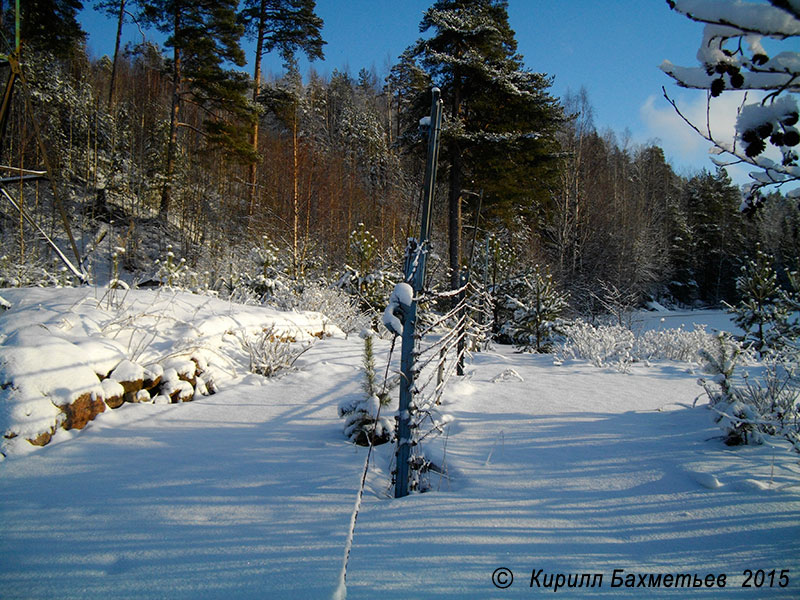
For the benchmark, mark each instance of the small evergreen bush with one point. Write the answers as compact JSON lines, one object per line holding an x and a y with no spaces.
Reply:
{"x":749,"y":407}
{"x":765,"y":309}
{"x":363,"y":423}
{"x":537,"y":309}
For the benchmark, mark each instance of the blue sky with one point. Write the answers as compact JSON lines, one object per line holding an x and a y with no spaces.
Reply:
{"x":613,"y":48}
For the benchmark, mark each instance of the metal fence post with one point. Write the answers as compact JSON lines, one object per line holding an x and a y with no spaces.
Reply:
{"x":416,"y":259}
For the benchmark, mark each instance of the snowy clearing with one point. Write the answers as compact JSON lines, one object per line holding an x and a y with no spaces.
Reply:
{"x":248,"y":493}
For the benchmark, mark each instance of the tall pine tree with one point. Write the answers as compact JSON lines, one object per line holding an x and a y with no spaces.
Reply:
{"x":288,"y":26}
{"x":204,"y":35}
{"x":500,"y":122}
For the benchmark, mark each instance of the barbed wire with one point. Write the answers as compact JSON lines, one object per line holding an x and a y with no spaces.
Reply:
{"x":435,"y":363}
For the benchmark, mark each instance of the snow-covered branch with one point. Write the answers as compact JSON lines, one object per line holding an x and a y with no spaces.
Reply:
{"x":732,"y":57}
{"x":749,"y":17}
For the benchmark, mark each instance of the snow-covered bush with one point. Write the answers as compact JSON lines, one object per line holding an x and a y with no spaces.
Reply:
{"x":764,"y":401}
{"x":363,"y":423}
{"x":268,"y":352}
{"x":258,"y":276}
{"x":367,"y":275}
{"x":603,"y":345}
{"x":672,"y":344}
{"x":537,"y":311}
{"x":776,"y":395}
{"x":33,"y":273}
{"x":177,"y":274}
{"x":342,"y":309}
{"x":738,"y":419}
{"x":619,"y":347}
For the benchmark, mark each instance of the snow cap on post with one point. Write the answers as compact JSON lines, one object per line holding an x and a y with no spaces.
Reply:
{"x":401,"y":298}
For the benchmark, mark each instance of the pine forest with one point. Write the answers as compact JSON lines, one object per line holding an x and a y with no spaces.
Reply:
{"x":178,"y":147}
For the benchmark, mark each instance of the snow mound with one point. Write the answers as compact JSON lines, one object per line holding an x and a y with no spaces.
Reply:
{"x":41,"y":375}
{"x":707,"y":480}
{"x":750,"y":485}
{"x":69,"y":353}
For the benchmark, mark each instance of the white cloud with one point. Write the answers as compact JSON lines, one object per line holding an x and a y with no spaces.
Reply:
{"x":663,"y":123}
{"x":684,"y":146}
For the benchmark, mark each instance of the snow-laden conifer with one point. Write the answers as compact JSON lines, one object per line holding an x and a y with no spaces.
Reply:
{"x":736,"y":418}
{"x":764,"y":308}
{"x":537,"y":312}
{"x":364,"y":425}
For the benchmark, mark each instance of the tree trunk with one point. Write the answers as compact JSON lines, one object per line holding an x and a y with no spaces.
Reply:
{"x":454,"y":195}
{"x":172,"y":148}
{"x":120,"y":21}
{"x":256,"y":89}
{"x":454,"y":217}
{"x":295,"y":203}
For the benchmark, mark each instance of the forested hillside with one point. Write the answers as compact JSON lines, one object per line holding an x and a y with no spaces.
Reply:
{"x":235,"y":364}
{"x":174,"y":154}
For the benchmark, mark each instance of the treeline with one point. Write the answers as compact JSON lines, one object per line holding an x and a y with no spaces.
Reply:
{"x":623,"y":219}
{"x":136,"y":138}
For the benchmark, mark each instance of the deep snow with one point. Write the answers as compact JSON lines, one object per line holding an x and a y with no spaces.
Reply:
{"x":248,"y":493}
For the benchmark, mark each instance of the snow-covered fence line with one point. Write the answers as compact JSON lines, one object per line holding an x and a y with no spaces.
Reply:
{"x":441,"y":342}
{"x":619,"y":347}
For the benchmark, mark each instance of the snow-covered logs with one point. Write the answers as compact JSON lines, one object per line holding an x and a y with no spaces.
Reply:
{"x":70,"y":392}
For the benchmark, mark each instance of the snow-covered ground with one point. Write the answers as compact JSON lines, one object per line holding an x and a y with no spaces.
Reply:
{"x":248,"y":493}
{"x":661,"y":318}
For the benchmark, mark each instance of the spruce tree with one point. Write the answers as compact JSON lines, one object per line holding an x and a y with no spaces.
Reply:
{"x":537,"y":311}
{"x":500,"y":122}
{"x":764,"y":308}
{"x":204,"y":36}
